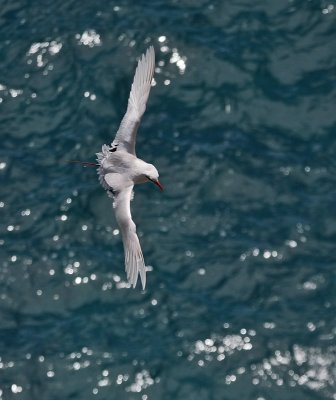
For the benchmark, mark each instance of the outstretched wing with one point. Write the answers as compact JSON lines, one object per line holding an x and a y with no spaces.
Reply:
{"x":126,"y":135}
{"x":134,"y":261}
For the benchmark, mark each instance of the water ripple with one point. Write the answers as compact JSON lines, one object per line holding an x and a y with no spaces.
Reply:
{"x":240,"y":247}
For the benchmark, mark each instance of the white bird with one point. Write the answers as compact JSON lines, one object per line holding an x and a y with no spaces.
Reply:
{"x":119,"y":168}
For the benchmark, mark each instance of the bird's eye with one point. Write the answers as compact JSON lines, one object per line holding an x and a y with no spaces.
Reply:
{"x":113,"y":149}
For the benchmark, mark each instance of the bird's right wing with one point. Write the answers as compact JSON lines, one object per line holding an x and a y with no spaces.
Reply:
{"x":126,"y":135}
{"x":134,"y":261}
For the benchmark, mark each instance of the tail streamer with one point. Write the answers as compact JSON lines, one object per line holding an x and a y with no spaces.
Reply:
{"x":84,"y":163}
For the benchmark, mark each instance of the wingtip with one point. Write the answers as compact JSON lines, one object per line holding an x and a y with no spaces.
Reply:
{"x":150,"y":52}
{"x":142,"y":273}
{"x":143,"y":284}
{"x":133,"y":275}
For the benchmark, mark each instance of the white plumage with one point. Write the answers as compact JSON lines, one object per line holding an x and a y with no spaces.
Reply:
{"x":138,"y":97}
{"x":119,"y":168}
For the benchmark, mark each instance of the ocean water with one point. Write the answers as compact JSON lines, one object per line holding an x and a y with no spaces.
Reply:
{"x":241,"y":124}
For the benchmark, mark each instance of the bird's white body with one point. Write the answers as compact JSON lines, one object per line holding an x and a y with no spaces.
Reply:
{"x":120,"y":169}
{"x":128,"y":166}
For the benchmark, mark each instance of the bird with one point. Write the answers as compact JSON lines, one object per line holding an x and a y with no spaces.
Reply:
{"x":119,"y":169}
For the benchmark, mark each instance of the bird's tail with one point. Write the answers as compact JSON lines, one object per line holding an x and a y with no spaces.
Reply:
{"x":84,"y":163}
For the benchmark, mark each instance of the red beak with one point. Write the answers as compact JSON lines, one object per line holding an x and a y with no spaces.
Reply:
{"x":157,"y":183}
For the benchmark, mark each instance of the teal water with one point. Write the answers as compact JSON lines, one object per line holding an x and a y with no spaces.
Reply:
{"x":241,"y":124}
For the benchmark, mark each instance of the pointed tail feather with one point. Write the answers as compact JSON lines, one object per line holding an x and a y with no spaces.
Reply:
{"x":84,"y":163}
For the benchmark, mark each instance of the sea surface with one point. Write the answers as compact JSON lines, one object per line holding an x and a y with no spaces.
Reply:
{"x":240,"y":247}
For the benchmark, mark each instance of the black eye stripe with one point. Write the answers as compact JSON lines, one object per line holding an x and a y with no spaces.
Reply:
{"x":112,"y":150}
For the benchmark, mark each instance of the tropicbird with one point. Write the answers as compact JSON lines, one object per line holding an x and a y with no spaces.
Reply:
{"x":119,"y":169}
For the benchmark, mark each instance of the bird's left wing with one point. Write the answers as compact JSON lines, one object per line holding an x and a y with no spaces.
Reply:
{"x":126,"y":135}
{"x":134,"y":261}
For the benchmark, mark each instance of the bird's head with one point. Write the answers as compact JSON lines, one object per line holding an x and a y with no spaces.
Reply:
{"x":151,"y":173}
